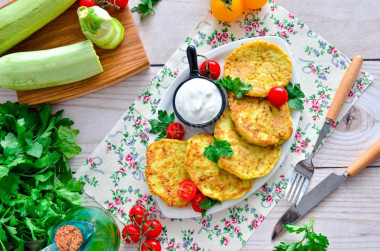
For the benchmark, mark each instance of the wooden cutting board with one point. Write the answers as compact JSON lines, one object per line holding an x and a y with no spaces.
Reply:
{"x":128,"y":59}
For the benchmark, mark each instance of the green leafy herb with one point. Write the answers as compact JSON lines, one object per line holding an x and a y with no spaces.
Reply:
{"x":313,"y":241}
{"x":36,"y":190}
{"x":161,"y":125}
{"x":207,"y":204}
{"x":218,"y":148}
{"x":294,"y":95}
{"x":238,"y":87}
{"x":145,"y":7}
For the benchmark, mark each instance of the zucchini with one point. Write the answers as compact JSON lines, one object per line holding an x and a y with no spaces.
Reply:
{"x":46,"y":68}
{"x":23,"y":17}
{"x":96,"y":24}
{"x":117,"y":39}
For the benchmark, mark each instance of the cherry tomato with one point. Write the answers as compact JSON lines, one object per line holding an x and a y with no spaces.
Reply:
{"x":222,"y":13}
{"x":277,"y":96}
{"x":120,"y":3}
{"x":155,"y":226}
{"x":254,"y":4}
{"x":187,"y":190}
{"x":87,"y":3}
{"x":210,"y":68}
{"x":136,"y":214}
{"x":151,"y":245}
{"x":132,"y":232}
{"x":196,"y":202}
{"x":175,"y":131}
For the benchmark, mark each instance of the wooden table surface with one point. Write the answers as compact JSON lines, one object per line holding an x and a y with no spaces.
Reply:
{"x":350,"y":217}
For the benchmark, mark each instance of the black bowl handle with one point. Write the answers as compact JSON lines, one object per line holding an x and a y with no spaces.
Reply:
{"x":193,"y":62}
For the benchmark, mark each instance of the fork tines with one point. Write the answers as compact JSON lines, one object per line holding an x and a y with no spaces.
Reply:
{"x":294,"y":189}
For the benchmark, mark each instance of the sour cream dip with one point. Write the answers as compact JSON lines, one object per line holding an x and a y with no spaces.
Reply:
{"x":198,"y":101}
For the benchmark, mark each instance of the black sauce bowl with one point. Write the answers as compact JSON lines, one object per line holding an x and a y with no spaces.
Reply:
{"x":194,"y":73}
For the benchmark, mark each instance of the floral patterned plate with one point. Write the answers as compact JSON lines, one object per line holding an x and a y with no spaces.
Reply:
{"x":220,"y":54}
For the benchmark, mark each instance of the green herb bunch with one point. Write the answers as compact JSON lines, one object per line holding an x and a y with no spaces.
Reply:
{"x":36,"y":189}
{"x":310,"y":241}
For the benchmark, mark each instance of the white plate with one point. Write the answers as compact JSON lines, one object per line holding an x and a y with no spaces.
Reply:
{"x":220,"y":54}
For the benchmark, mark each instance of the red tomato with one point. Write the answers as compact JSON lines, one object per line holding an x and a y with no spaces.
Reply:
{"x":151,"y":244}
{"x":196,"y":202}
{"x":277,"y":96}
{"x":175,"y":131}
{"x":187,"y":190}
{"x":132,"y":232}
{"x":120,"y":3}
{"x":87,"y":3}
{"x":136,"y":214}
{"x":210,"y":69}
{"x":155,"y":228}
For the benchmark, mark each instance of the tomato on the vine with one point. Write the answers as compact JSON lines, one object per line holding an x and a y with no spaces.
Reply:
{"x":187,"y":190}
{"x":227,"y":10}
{"x":131,"y":232}
{"x":87,"y":3}
{"x":278,"y":96}
{"x":175,"y":131}
{"x":196,"y":202}
{"x":155,"y":228}
{"x":152,"y":245}
{"x":210,"y":68}
{"x":138,"y":214}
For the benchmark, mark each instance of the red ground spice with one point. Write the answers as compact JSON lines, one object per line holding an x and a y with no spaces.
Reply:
{"x":68,"y":238}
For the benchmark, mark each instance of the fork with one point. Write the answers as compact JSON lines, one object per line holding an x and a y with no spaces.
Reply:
{"x":303,"y":171}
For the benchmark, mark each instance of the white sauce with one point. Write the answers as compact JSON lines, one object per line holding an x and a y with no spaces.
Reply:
{"x":198,"y":101}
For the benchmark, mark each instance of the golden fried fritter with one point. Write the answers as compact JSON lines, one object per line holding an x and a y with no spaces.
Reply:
{"x":259,"y":122}
{"x":261,"y":64}
{"x":166,"y":169}
{"x":209,"y":178}
{"x":248,"y":161}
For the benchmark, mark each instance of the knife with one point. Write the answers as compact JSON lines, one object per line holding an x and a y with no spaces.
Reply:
{"x":324,"y":188}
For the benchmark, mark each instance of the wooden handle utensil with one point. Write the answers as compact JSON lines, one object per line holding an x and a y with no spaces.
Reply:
{"x":344,"y":88}
{"x":372,"y":153}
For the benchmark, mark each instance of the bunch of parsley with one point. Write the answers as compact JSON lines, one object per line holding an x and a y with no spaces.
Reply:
{"x":35,"y":179}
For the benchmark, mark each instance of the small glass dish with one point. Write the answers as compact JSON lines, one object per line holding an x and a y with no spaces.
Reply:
{"x":194,"y":74}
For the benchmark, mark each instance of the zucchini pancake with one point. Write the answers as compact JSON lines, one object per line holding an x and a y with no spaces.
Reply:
{"x":259,"y":122}
{"x":248,"y":161}
{"x":209,"y":178}
{"x":261,"y":64}
{"x":166,"y":169}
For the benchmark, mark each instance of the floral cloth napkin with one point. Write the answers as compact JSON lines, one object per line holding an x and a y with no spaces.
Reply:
{"x":114,"y":173}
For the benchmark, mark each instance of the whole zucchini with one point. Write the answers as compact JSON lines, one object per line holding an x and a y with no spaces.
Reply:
{"x":23,"y":17}
{"x":46,"y":68}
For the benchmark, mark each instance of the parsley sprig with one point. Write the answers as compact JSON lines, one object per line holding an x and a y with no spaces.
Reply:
{"x":207,"y":204}
{"x":145,"y":7}
{"x":161,"y":125}
{"x":313,"y":241}
{"x":294,"y":96}
{"x":238,"y":87}
{"x":218,"y":148}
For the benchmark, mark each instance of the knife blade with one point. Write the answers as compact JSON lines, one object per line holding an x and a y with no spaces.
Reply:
{"x":324,"y":188}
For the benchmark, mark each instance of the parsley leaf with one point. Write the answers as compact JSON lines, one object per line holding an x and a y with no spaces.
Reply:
{"x":294,"y":95}
{"x":161,"y":125}
{"x":145,"y":7}
{"x":238,"y":87}
{"x":206,"y":204}
{"x":217,"y":149}
{"x":313,"y":241}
